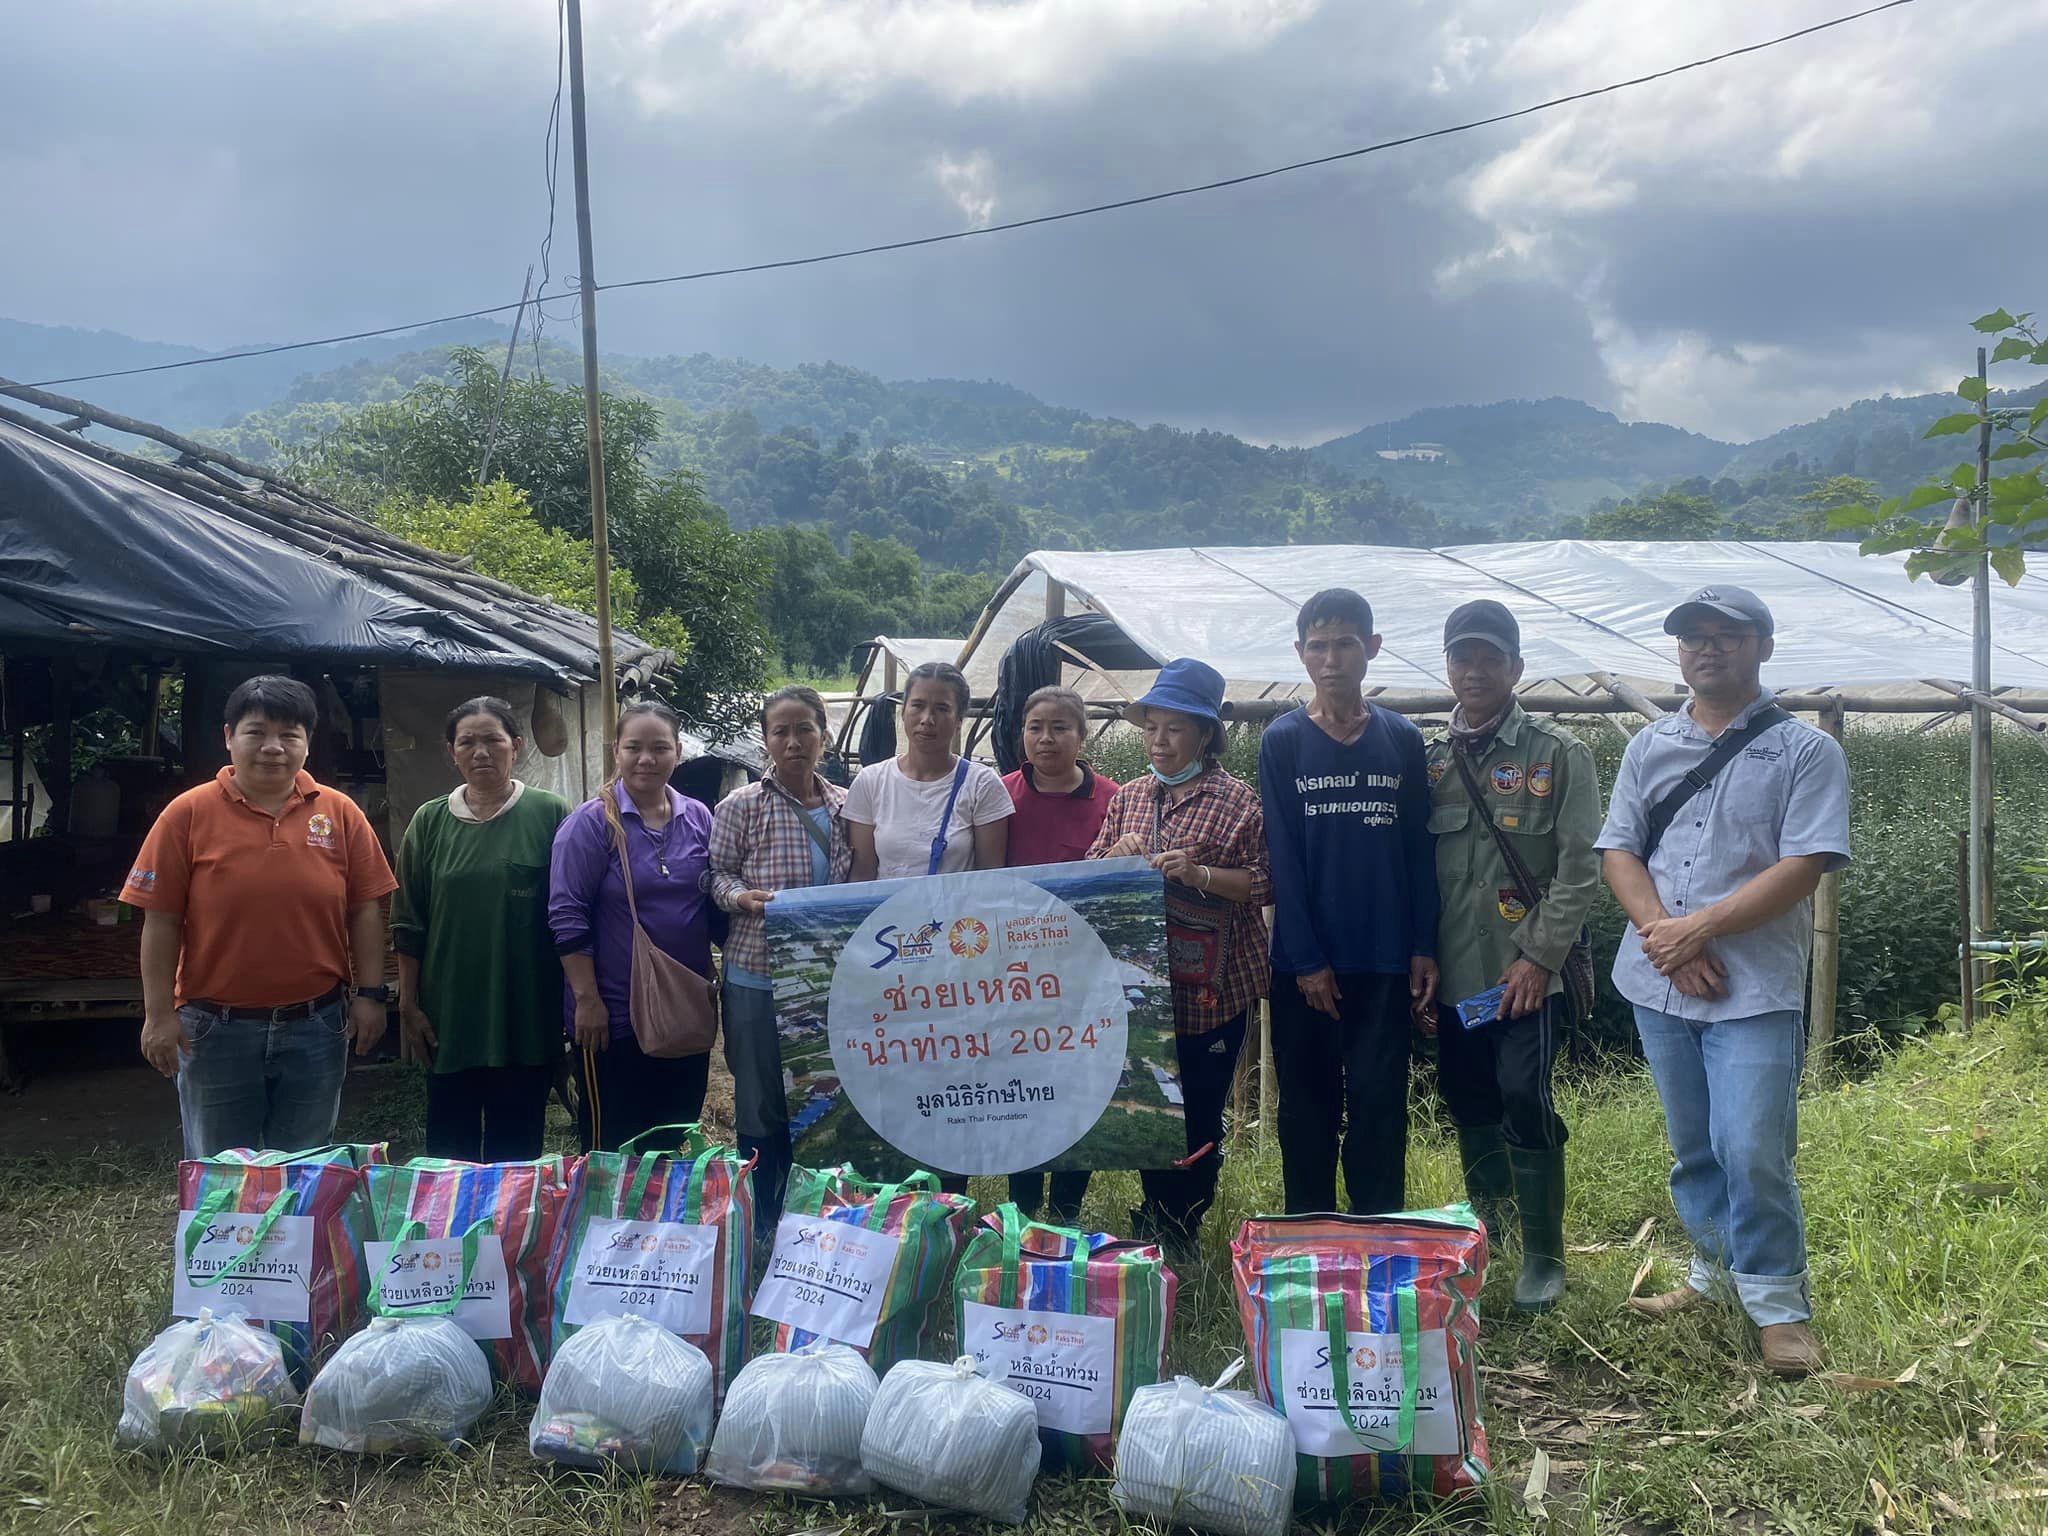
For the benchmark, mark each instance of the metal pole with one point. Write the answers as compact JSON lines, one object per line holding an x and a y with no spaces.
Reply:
{"x":593,"y":428}
{"x":1982,"y":916}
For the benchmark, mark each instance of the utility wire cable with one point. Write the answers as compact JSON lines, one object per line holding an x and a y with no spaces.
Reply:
{"x":1030,"y":223}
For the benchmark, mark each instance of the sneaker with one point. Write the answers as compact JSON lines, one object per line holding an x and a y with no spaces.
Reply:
{"x":1790,"y":1349}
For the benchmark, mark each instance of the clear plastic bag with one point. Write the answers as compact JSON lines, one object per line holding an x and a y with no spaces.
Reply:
{"x":792,"y":1424}
{"x":950,"y":1436}
{"x":625,"y":1390}
{"x":402,"y":1385}
{"x":209,"y":1382}
{"x":1202,"y":1457}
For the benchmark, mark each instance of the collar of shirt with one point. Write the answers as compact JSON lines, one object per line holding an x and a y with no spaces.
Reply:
{"x":624,"y":801}
{"x":1689,"y":727}
{"x":1084,"y":790}
{"x":304,"y":787}
{"x":1503,"y":735}
{"x":833,"y":796}
{"x":458,"y":803}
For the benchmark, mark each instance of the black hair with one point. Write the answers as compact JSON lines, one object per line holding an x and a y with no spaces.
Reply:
{"x":483,"y":704}
{"x":943,"y":672}
{"x":1334,"y":605}
{"x":283,"y":699}
{"x":1065,"y":698}
{"x":654,"y":707}
{"x":796,"y":693}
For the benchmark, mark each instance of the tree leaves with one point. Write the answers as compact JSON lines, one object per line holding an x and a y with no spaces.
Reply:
{"x":2011,"y":348}
{"x":1997,"y":320}
{"x":2010,"y":562}
{"x":1948,"y":426}
{"x":1972,"y":388}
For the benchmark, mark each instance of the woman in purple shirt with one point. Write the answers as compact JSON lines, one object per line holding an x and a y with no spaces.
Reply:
{"x":626,"y":1091}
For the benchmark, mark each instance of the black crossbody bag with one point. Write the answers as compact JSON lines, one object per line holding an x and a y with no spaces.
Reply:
{"x":1665,"y":811}
{"x":1577,"y":971}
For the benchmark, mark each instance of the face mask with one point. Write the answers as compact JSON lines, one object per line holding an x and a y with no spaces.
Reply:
{"x":1175,"y":780}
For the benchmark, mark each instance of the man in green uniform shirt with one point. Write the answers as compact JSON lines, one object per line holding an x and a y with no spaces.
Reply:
{"x":1503,"y":781}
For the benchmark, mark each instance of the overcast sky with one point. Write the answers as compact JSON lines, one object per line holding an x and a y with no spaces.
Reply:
{"x":1732,"y":251}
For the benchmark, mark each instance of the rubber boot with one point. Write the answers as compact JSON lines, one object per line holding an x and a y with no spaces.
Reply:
{"x":1539,"y":1191}
{"x":1488,"y":1184}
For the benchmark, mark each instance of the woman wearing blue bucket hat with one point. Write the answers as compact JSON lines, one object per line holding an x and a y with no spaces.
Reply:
{"x":1204,"y":831}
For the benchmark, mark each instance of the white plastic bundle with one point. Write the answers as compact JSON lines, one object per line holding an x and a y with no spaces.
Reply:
{"x":1199,"y":1456}
{"x":792,"y":1424}
{"x":402,"y":1385}
{"x":952,"y":1437}
{"x":626,"y":1390}
{"x":209,"y":1382}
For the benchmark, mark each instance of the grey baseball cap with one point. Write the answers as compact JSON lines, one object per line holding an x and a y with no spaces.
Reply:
{"x":1484,"y":620}
{"x":1736,"y":603}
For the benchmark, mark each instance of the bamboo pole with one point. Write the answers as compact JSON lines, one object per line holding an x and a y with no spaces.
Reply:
{"x":1630,"y":695}
{"x":1827,"y":948}
{"x":1982,"y":895}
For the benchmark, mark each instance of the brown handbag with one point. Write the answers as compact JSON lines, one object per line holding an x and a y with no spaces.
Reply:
{"x":674,"y":1010}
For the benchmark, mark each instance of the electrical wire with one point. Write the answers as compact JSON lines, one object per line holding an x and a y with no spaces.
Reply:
{"x":1017,"y":224}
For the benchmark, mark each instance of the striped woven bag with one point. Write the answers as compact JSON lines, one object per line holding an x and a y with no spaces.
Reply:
{"x":1076,"y":1322}
{"x":423,"y":1210}
{"x":664,"y":1233}
{"x":1364,"y":1332}
{"x":862,"y":1262}
{"x":278,"y":1237}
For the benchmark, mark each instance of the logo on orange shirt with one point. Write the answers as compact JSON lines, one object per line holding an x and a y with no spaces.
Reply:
{"x":319,"y":830}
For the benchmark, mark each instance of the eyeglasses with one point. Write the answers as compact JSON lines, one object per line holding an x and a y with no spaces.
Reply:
{"x":1724,"y":643}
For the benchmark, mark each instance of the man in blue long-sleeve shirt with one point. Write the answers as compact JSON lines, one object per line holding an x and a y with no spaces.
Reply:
{"x":1346,"y":794}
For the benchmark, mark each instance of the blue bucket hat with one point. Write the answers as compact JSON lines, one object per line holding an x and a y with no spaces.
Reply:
{"x":1188,"y":687}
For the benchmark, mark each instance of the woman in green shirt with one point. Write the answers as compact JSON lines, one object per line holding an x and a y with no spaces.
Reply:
{"x":479,"y":988}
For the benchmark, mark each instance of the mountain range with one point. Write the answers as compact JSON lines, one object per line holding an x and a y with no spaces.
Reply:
{"x":766,"y":440}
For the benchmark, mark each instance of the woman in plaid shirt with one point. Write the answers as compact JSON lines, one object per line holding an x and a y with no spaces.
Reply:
{"x":1204,"y":831}
{"x":784,"y":832}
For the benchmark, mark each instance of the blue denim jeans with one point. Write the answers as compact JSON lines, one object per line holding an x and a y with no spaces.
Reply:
{"x":1731,"y":1104}
{"x":252,"y":1083}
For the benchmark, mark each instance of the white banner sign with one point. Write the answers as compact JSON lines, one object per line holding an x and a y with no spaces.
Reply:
{"x":1310,"y":1396}
{"x":827,"y":1277}
{"x":270,"y":1287}
{"x":1066,"y":1364}
{"x":659,"y":1270}
{"x":423,"y":1273}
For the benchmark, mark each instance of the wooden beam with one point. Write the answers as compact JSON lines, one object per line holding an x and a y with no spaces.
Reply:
{"x":1992,"y":702}
{"x":1827,"y":950}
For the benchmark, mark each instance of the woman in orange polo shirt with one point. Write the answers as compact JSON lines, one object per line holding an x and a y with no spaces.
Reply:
{"x":260,"y":897}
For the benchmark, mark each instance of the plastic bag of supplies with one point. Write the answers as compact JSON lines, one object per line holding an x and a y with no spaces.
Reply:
{"x":402,"y":1385}
{"x":792,"y":1424}
{"x":211,"y":1382}
{"x":629,"y":1391}
{"x":950,"y":1436}
{"x":1203,"y":1457}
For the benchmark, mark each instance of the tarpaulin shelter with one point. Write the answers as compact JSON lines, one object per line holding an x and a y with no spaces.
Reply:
{"x":187,"y":561}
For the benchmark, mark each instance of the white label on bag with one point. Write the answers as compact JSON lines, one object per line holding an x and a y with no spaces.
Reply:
{"x":271,"y":1287}
{"x":424,"y":1272}
{"x":659,"y":1270}
{"x":1308,"y":1394}
{"x":827,"y":1277}
{"x":1066,"y":1364}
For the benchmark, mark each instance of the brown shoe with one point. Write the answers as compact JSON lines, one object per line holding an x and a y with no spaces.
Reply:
{"x":1669,"y":1304}
{"x":1790,"y":1349}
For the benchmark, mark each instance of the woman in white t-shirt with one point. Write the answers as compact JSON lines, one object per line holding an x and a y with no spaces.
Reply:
{"x":897,"y":811}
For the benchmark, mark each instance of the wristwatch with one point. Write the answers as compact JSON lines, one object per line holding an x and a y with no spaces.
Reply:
{"x":377,"y":994}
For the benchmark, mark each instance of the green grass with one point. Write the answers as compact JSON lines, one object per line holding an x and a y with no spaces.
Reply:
{"x":1923,"y":1187}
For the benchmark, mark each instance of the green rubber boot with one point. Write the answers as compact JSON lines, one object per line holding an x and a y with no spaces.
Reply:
{"x":1487,"y":1182}
{"x":1539,"y":1190}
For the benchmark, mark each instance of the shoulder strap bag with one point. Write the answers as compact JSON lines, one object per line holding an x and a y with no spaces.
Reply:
{"x":1199,"y":926}
{"x":1696,"y":779}
{"x":1577,"y":972}
{"x":675,"y":1011}
{"x":945,"y":819}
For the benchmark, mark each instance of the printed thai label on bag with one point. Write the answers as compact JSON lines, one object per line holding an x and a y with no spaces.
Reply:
{"x":827,"y":1277}
{"x":1309,"y":1394}
{"x":271,"y":1287}
{"x":659,"y":1270}
{"x":1065,"y":1363}
{"x":422,"y":1274}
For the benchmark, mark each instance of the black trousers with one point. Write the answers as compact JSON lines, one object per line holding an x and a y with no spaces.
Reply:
{"x":1499,"y":1074}
{"x":1069,"y":1188}
{"x":626,"y":1091}
{"x":488,"y":1114}
{"x":1208,"y":1062}
{"x":1343,"y":1081}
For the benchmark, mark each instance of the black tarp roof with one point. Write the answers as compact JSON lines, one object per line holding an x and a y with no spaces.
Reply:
{"x":191,"y":558}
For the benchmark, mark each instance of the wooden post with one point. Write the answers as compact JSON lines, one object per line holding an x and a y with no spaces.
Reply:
{"x":1055,"y":599}
{"x":1982,"y":916}
{"x":1827,"y":945}
{"x":593,"y":427}
{"x":1968,"y":961}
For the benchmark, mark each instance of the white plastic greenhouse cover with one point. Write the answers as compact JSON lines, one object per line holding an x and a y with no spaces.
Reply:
{"x":1584,"y":606}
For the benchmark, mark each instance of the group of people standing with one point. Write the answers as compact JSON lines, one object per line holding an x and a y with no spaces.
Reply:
{"x":1434,"y":889}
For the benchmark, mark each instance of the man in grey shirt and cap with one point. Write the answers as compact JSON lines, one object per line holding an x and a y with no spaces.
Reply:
{"x":1723,"y":819}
